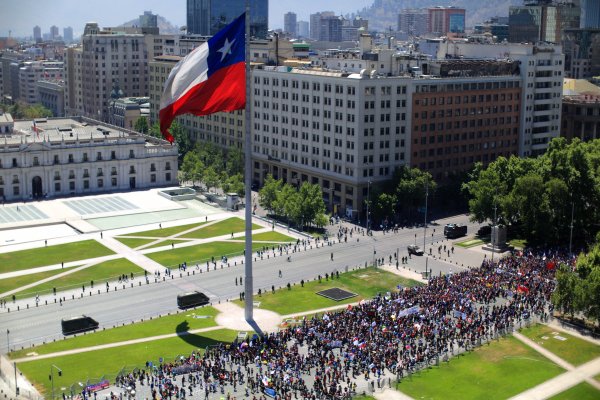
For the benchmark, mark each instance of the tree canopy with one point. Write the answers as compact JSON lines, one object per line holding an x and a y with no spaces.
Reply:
{"x":536,"y":196}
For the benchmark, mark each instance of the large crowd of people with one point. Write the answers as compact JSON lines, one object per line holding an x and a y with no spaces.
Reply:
{"x":391,"y":335}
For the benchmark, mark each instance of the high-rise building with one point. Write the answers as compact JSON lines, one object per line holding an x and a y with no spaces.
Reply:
{"x":582,"y":52}
{"x":32,"y":71}
{"x":303,"y":29}
{"x":68,"y":34}
{"x":290,"y":24}
{"x":315,"y":23}
{"x":444,"y":20}
{"x":413,"y":21}
{"x":207,"y":17}
{"x":37,"y":33}
{"x":53,"y":32}
{"x":119,"y":58}
{"x":331,"y":29}
{"x":148,"y":20}
{"x":543,"y":21}
{"x":590,"y":14}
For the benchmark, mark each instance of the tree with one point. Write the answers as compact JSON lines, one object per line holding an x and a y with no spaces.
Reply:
{"x":21,"y":110}
{"x":188,"y":166}
{"x":235,"y":162}
{"x":267,"y":195}
{"x":211,"y":178}
{"x":234,"y":184}
{"x":321,"y":221}
{"x":311,"y":203}
{"x":286,"y":202}
{"x":141,"y":125}
{"x":385,"y":205}
{"x":412,"y":184}
{"x":564,"y":294}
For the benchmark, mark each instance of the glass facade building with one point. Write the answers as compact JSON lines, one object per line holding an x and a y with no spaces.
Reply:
{"x":207,"y":17}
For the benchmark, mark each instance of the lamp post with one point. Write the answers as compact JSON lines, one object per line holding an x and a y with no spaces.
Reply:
{"x":495,"y":227}
{"x":52,"y":376}
{"x":7,"y":342}
{"x":571,"y":234}
{"x":368,"y":201}
{"x":425,"y":226}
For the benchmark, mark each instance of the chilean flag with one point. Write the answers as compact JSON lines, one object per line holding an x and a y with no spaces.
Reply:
{"x":210,"y":79}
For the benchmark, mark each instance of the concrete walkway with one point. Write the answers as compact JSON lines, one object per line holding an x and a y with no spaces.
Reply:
{"x":391,"y":394}
{"x":546,"y":353}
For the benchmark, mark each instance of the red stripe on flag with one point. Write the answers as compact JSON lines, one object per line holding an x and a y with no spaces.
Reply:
{"x":225,"y":90}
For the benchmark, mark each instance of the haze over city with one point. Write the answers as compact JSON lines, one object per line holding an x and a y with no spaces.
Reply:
{"x":20,"y":16}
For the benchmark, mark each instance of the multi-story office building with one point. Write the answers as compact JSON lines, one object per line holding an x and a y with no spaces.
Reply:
{"x":413,"y":21}
{"x":51,"y":94}
{"x":542,"y":22}
{"x":68,"y":34}
{"x":290,"y":24}
{"x":444,"y":20}
{"x":124,"y":112}
{"x":582,"y":52}
{"x":590,"y":14}
{"x":541,"y":70}
{"x":207,"y":17}
{"x":148,"y":20}
{"x":33,"y":71}
{"x":330,"y":29}
{"x":105,"y":58}
{"x":315,"y":23}
{"x":37,"y":33}
{"x":68,"y":156}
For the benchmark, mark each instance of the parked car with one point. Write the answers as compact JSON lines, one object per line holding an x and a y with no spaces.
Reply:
{"x":414,"y":249}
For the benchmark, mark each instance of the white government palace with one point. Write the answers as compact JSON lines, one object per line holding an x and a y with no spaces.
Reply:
{"x":73,"y":156}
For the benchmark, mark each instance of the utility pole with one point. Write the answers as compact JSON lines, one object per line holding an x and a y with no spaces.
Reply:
{"x":495,"y":227}
{"x":571,"y":235}
{"x":368,"y":201}
{"x":425,"y":226}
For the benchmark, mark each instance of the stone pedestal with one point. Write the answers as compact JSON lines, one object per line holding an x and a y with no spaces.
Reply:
{"x":498,"y":243}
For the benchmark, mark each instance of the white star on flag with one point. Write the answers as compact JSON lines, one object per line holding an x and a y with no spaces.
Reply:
{"x":226,"y":49}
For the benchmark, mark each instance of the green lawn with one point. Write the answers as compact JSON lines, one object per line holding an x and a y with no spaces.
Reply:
{"x":99,"y":273}
{"x":573,"y":350}
{"x":166,"y":242}
{"x":18,"y":281}
{"x":269,"y":236}
{"x":202,"y":252}
{"x":366,"y":283}
{"x":518,"y":243}
{"x":134,"y":242}
{"x":164,"y":232}
{"x":93,"y":365}
{"x":583,"y":391}
{"x":25,"y":259}
{"x":220,"y":228}
{"x":498,"y":371}
{"x":183,"y":321}
{"x":469,"y":243}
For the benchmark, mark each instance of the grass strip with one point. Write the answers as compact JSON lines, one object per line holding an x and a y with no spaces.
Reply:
{"x":583,"y":391}
{"x":181,"y":322}
{"x":570,"y":348}
{"x":109,"y":362}
{"x":41,"y":256}
{"x":366,"y":283}
{"x":498,"y":371}
{"x":220,"y":228}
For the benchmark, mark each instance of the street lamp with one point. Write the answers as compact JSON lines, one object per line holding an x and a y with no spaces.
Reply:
{"x":52,"y":376}
{"x":368,"y":201}
{"x":7,"y":342}
{"x":571,"y":235}
{"x":425,"y":226}
{"x":495,"y":228}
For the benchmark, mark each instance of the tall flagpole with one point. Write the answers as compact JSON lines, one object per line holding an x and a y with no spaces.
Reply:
{"x":248,"y":284}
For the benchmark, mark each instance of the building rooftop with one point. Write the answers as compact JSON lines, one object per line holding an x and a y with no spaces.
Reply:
{"x":573,"y":87}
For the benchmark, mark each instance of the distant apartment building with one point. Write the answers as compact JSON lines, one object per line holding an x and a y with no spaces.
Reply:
{"x":590,"y":14}
{"x":413,"y":21}
{"x":37,"y":33}
{"x":68,"y":34}
{"x":542,"y":21}
{"x":105,"y":58}
{"x":582,"y":52}
{"x":75,"y":156}
{"x":207,"y":17}
{"x":51,"y":94}
{"x":31,"y":72}
{"x":290,"y":24}
{"x":315,"y":23}
{"x":303,"y":29}
{"x":148,"y":20}
{"x":54,"y":33}
{"x":444,"y":20}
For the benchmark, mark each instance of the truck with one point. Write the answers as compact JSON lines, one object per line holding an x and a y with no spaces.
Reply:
{"x":452,"y":231}
{"x":80,"y":323}
{"x":192,"y":299}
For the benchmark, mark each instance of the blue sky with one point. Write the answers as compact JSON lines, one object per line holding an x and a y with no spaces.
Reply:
{"x":20,"y":16}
